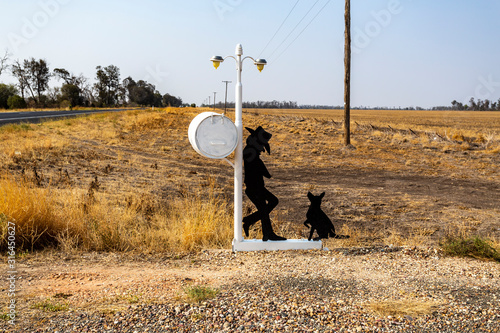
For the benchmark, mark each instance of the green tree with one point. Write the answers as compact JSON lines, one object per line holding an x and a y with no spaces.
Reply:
{"x":33,"y":75}
{"x":70,"y":78}
{"x":21,"y":74}
{"x":108,"y":85}
{"x":39,"y":74}
{"x":16,"y":102}
{"x":473,"y":105}
{"x":71,"y":93}
{"x":6,"y":91}
{"x":73,"y":89}
{"x":169,"y":100}
{"x":142,"y":92}
{"x":158,"y":99}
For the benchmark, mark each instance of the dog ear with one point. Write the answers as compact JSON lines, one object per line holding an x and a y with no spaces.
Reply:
{"x":309,"y":195}
{"x":250,"y":130}
{"x":322,"y":195}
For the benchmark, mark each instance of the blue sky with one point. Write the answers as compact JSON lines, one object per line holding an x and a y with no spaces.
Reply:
{"x":405,"y":52}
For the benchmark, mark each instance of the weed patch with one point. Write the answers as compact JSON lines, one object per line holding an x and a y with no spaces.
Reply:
{"x":49,"y":305}
{"x":474,"y":247}
{"x":200,"y":293}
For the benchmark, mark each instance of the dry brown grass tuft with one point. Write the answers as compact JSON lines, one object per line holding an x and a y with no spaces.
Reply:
{"x":88,"y":220}
{"x":404,"y":307}
{"x":33,"y":211}
{"x":193,"y":223}
{"x":143,"y":122}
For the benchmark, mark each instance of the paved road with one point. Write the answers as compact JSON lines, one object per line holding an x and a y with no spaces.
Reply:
{"x":37,"y":116}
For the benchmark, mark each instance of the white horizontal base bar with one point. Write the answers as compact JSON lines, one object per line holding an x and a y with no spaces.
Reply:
{"x":289,"y":244}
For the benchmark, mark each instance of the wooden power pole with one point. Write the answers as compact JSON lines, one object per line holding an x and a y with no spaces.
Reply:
{"x":347,"y":75}
{"x":225,"y":98}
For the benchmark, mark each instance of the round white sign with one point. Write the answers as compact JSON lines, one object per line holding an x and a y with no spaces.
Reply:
{"x":213,"y":135}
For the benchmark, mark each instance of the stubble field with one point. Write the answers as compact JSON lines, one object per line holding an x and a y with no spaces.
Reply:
{"x":120,"y":181}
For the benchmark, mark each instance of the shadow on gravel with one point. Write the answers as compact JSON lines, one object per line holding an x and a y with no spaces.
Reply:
{"x":292,"y":287}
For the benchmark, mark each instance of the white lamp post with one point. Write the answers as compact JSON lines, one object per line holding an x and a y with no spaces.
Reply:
{"x":238,"y":243}
{"x":238,"y":121}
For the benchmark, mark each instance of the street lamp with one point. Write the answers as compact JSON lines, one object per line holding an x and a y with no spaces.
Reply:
{"x":238,"y":121}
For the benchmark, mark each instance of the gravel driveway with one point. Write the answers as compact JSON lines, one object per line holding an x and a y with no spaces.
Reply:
{"x":376,"y":289}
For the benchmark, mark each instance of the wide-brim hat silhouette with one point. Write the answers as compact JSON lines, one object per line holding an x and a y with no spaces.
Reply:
{"x":259,"y":138}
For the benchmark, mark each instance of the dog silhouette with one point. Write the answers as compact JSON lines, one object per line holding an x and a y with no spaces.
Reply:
{"x":318,"y":220}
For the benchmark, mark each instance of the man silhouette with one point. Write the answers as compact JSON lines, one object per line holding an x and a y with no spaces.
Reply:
{"x":255,"y":171}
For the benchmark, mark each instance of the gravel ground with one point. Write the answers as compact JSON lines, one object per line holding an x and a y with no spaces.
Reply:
{"x":377,"y":289}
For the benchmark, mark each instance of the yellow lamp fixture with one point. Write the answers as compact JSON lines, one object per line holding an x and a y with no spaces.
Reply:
{"x":260,"y":64}
{"x":216,"y":60}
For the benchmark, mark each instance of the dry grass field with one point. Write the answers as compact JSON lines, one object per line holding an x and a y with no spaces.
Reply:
{"x":130,"y":181}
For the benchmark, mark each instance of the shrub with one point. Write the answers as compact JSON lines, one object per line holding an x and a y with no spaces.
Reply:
{"x":474,"y":247}
{"x":16,"y":102}
{"x":200,"y":293}
{"x":6,"y":91}
{"x":65,"y":104}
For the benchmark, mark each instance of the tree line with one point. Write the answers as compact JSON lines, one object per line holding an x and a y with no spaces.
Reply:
{"x":258,"y":105}
{"x":32,"y":88}
{"x":271,"y":105}
{"x":479,"y":105}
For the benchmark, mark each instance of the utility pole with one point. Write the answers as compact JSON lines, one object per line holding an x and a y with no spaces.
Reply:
{"x":225,"y":98}
{"x":209,"y":100}
{"x":347,"y":75}
{"x":214,"y":100}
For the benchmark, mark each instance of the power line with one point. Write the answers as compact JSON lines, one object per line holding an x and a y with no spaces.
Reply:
{"x":302,"y":19}
{"x":278,"y":28}
{"x":300,"y":33}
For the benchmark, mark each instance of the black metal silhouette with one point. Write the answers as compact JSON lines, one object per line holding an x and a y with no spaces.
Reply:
{"x":255,"y":171}
{"x":318,"y":220}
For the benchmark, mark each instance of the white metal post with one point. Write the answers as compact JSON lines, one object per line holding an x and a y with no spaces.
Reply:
{"x":238,"y":157}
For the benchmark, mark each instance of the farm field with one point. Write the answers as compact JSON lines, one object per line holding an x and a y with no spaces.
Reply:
{"x":445,"y":120}
{"x":413,"y":177}
{"x":131,"y":228}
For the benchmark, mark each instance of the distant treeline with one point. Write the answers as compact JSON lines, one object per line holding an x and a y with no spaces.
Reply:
{"x":272,"y":105}
{"x":479,"y":105}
